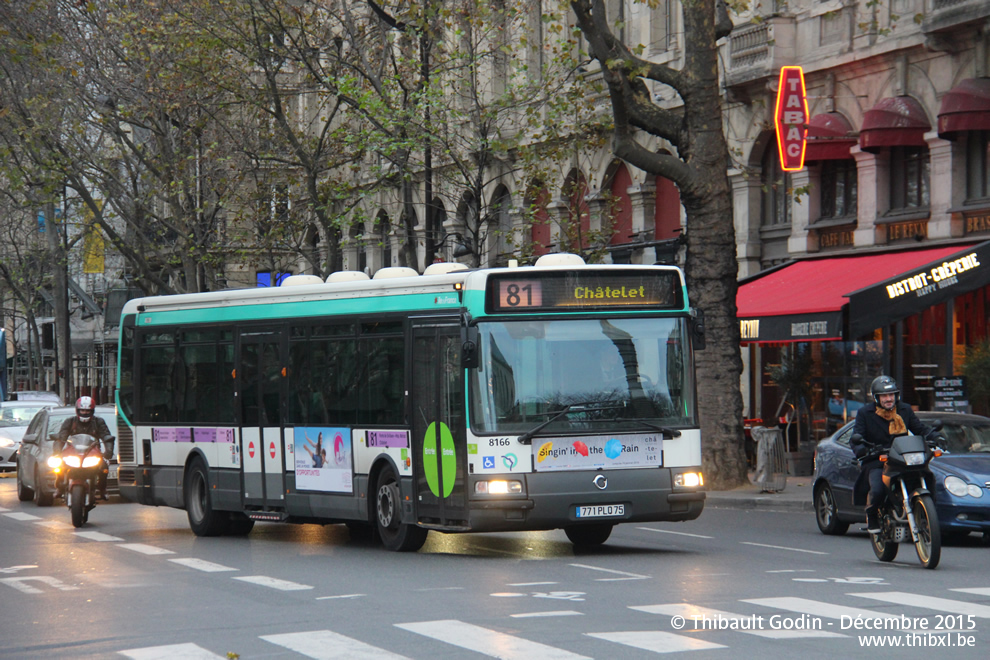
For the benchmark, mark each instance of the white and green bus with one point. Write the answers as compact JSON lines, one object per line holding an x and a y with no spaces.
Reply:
{"x":555,"y":396}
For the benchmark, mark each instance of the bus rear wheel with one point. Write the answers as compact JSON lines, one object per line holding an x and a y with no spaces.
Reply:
{"x":203,"y":520}
{"x":587,"y":536}
{"x":395,"y":535}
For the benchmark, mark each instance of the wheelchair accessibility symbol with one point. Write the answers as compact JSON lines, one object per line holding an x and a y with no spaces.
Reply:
{"x":488,"y":462}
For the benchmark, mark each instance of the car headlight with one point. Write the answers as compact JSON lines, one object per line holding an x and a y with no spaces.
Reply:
{"x":6,"y":442}
{"x":956,"y":486}
{"x":974,"y":490}
{"x":914,"y":458}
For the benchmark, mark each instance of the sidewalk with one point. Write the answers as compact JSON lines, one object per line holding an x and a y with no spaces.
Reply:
{"x":796,"y":496}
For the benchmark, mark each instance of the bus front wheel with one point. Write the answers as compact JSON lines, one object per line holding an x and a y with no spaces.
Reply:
{"x":395,"y":535}
{"x":203,"y":520}
{"x":587,"y":536}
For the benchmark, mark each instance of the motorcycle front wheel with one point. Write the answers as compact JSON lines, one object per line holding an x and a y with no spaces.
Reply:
{"x":77,"y":505}
{"x":929,"y":545}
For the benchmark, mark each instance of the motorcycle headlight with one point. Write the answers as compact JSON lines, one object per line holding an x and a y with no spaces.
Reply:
{"x":914,"y":458}
{"x":54,"y":462}
{"x":72,"y":461}
{"x":956,"y":486}
{"x":91,"y":461}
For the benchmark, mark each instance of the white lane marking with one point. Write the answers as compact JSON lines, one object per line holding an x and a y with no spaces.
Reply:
{"x":20,"y":515}
{"x":536,"y":615}
{"x":19,"y":567}
{"x":930,"y":603}
{"x":669,"y":531}
{"x":146,"y":549}
{"x":3,"y":510}
{"x":98,"y":536}
{"x":54,"y":524}
{"x":818,"y":608}
{"x":657,"y":641}
{"x":170,"y":652}
{"x":202,"y":565}
{"x":706,"y":618}
{"x":529,"y":584}
{"x":327,"y":645}
{"x":783,"y":547}
{"x":19,"y":583}
{"x":273,"y":583}
{"x":794,"y":570}
{"x":628,"y":576}
{"x":487,"y":642}
{"x":340,"y":597}
{"x":979,"y":591}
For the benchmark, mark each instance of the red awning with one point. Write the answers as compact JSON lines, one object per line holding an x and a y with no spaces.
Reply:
{"x":894,"y":122}
{"x":829,"y":137}
{"x":966,"y":107}
{"x":814,"y":290}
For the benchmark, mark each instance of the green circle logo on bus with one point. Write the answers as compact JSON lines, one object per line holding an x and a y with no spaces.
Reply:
{"x":446,"y":466}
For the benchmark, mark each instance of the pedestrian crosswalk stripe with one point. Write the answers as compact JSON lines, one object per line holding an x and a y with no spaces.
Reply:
{"x":750,"y":624}
{"x":274,"y":583}
{"x":930,"y":603}
{"x":97,"y":536}
{"x":979,"y":591}
{"x":818,"y":608}
{"x":19,"y":515}
{"x":202,"y":565}
{"x":146,"y":549}
{"x":657,"y":641}
{"x":171,"y":652}
{"x":487,"y":642}
{"x":328,"y":645}
{"x":54,"y":524}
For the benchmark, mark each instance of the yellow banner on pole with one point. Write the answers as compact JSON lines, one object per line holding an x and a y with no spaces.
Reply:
{"x":93,"y":245}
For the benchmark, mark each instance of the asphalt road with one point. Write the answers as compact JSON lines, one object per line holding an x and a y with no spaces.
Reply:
{"x":136,"y":583}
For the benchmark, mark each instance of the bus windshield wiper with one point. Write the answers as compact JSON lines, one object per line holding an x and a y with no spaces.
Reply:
{"x":581,"y":406}
{"x":673,"y":433}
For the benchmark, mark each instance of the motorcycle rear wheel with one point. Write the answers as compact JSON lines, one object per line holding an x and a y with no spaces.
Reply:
{"x":884,"y":545}
{"x":929,"y":545}
{"x":77,"y":505}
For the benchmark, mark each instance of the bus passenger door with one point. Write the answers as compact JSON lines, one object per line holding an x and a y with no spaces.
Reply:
{"x":260,"y":388}
{"x":438,"y":425}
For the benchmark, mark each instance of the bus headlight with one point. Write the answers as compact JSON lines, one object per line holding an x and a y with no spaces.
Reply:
{"x":498,"y":487}
{"x":688,"y":480}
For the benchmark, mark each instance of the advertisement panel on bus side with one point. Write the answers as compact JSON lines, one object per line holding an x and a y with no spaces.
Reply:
{"x":599,"y":451}
{"x":323,"y":459}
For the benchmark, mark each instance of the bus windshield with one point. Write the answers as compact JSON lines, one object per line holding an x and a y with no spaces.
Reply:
{"x":615,"y":374}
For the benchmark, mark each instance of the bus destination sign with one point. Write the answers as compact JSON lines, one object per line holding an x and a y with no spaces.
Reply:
{"x":528,"y":292}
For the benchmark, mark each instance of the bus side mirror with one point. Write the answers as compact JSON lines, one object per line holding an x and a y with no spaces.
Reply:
{"x":469,"y":347}
{"x":697,"y":325}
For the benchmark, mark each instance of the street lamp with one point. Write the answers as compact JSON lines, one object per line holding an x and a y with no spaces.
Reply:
{"x":462,"y":245}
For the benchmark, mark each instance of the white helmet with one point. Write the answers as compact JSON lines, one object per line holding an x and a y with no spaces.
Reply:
{"x":84,"y":408}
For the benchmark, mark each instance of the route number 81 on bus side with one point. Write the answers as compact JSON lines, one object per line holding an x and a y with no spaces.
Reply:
{"x":555,"y":396}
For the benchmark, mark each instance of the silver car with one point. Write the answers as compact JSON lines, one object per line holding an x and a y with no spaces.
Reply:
{"x":35,"y":479}
{"x":14,"y":419}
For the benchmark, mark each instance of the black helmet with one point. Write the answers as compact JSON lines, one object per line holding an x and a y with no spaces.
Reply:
{"x":884,"y":385}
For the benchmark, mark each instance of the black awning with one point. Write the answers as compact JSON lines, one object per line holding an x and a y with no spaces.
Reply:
{"x":823,"y":326}
{"x":918,"y":289}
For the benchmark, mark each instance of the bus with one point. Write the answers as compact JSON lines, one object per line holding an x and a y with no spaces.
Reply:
{"x":559,"y":395}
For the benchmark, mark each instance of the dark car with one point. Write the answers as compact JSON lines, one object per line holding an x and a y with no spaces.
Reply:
{"x":35,"y":479}
{"x":962,"y":477}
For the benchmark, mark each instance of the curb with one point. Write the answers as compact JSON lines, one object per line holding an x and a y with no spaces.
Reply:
{"x":763,"y":502}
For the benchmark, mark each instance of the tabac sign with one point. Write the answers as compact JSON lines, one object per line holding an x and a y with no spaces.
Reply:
{"x":791,"y":118}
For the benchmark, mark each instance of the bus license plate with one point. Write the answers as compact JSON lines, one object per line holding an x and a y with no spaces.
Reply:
{"x":601,"y":511}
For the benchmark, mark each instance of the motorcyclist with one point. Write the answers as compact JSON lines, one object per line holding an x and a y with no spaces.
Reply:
{"x":84,"y":421}
{"x":877,"y":424}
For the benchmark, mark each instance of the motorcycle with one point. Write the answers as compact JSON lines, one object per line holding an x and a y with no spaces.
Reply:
{"x":909,"y":508}
{"x":78,"y":469}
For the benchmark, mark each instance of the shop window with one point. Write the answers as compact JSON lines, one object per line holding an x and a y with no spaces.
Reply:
{"x":776,"y":208}
{"x":838,"y":189}
{"x":909,"y":176}
{"x":977,"y":170}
